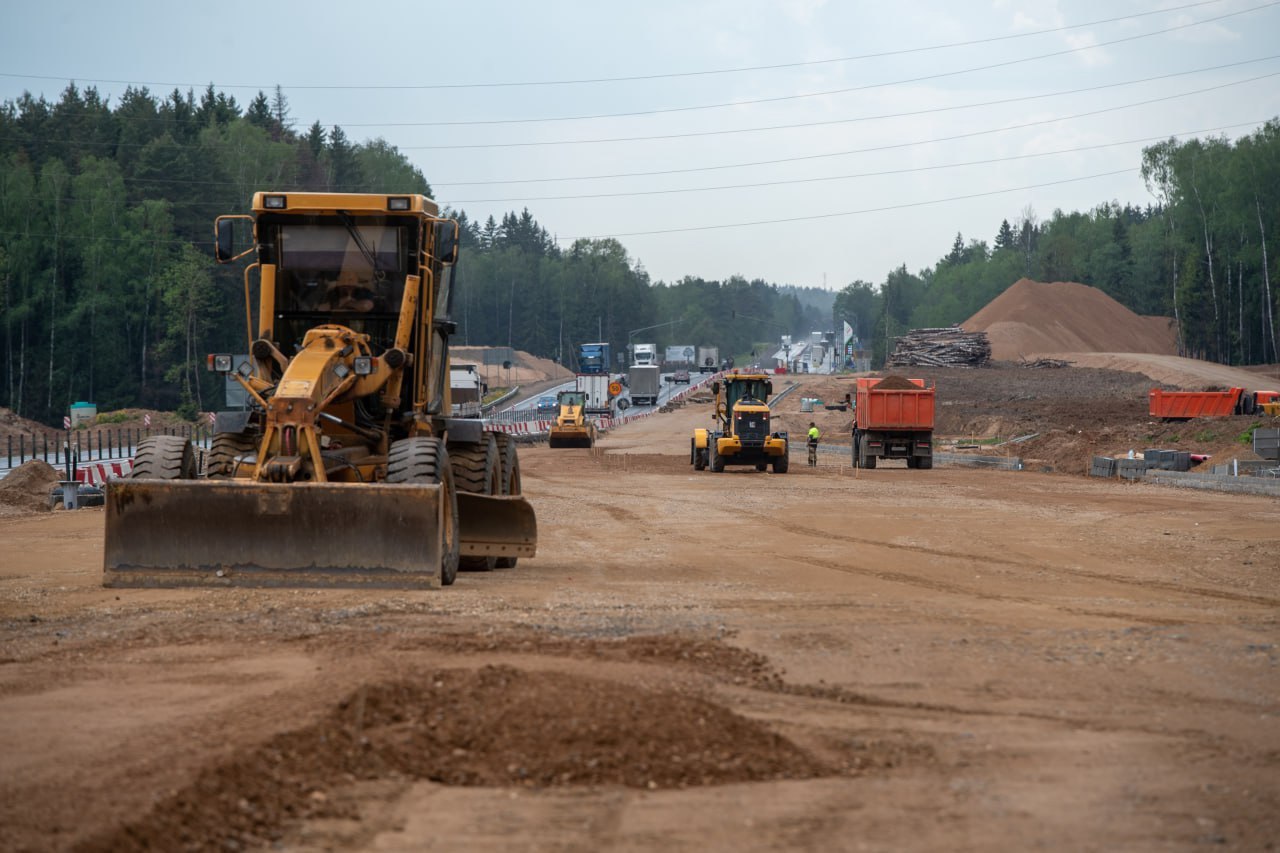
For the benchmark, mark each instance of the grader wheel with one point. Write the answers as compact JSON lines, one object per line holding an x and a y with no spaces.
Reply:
{"x":425,"y":460}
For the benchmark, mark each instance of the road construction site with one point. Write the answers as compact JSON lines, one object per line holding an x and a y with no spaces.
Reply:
{"x":831,"y":658}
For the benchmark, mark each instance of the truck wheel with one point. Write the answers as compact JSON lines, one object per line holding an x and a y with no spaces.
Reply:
{"x":509,"y":468}
{"x":226,"y":448}
{"x":924,"y":462}
{"x":699,"y":456}
{"x":717,"y":461}
{"x":164,"y":457}
{"x":423,"y":459}
{"x":781,"y":463}
{"x":476,"y":471}
{"x":866,"y":460}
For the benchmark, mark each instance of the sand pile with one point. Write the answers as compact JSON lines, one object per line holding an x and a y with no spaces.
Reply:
{"x":26,"y":488}
{"x":1032,"y":317}
{"x":525,"y":368}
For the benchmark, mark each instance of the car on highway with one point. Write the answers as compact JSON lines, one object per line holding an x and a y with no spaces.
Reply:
{"x":547,"y":406}
{"x":680,"y":377}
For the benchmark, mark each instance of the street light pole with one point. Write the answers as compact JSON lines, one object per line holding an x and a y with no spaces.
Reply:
{"x":633,"y":332}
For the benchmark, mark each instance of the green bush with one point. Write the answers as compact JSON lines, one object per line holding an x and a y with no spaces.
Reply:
{"x":1246,"y":437}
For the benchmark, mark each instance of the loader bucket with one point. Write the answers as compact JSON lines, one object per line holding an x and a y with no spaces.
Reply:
{"x":177,"y":533}
{"x":493,"y":526}
{"x":569,"y":437}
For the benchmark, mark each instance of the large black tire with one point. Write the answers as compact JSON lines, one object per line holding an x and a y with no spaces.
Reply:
{"x":164,"y":457}
{"x":509,"y":480}
{"x":865,"y":460}
{"x":477,"y":470}
{"x":924,"y":462}
{"x":716,"y":460}
{"x":699,"y":455}
{"x":226,"y":447}
{"x":423,"y":459}
{"x":782,"y":463}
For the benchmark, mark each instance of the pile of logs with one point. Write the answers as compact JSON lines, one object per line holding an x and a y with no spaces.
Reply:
{"x":1046,"y":362}
{"x":949,"y":347}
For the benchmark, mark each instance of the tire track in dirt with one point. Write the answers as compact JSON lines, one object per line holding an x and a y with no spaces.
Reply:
{"x":983,"y":560}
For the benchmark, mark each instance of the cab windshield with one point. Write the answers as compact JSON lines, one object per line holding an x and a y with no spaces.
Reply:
{"x":339,"y":270}
{"x":573,"y":398}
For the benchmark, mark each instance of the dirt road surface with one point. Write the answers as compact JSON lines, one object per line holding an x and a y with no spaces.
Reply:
{"x":899,"y":660}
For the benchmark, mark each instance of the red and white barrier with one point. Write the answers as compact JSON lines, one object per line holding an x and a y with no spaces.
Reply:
{"x":97,"y":473}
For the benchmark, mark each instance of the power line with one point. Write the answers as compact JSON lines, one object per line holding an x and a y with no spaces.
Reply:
{"x":866,"y":150}
{"x":642,"y":77}
{"x":877,"y":174}
{"x":844,"y":91}
{"x":829,"y":122}
{"x":813,"y":217}
{"x":817,"y":216}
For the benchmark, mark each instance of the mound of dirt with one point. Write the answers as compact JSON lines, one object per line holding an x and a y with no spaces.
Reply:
{"x":456,"y":728}
{"x":1033,"y":318}
{"x":525,"y":369}
{"x":26,"y":488}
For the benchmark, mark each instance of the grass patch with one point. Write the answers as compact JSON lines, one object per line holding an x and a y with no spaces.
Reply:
{"x":112,"y":418}
{"x":1207,"y":435}
{"x":1246,"y":437}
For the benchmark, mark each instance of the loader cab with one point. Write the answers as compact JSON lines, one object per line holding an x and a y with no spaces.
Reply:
{"x":758,"y":389}
{"x":572,"y":398}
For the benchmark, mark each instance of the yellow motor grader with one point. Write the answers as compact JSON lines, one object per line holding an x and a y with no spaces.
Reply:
{"x":743,"y":433}
{"x":347,"y":467}
{"x":572,"y":428}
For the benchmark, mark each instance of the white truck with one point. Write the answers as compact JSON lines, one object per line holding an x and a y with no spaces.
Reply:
{"x":708,"y":359}
{"x":644,"y":354}
{"x":645,"y":382}
{"x":596,"y":387}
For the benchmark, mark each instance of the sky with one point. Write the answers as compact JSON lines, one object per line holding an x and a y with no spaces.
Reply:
{"x":804,"y":142}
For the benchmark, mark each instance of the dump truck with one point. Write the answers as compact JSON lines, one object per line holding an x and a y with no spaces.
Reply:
{"x":645,"y":382}
{"x":742,"y":435}
{"x":708,"y":359}
{"x":347,"y":468}
{"x":893,"y":419}
{"x":572,"y":427}
{"x":1185,"y":405}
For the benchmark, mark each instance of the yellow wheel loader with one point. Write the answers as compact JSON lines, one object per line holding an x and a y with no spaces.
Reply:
{"x":572,"y":427}
{"x":742,"y":435}
{"x":346,"y":468}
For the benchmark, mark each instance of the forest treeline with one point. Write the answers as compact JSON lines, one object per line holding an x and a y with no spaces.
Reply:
{"x":109,"y":292}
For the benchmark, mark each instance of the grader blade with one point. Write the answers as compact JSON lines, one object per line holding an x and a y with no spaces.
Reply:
{"x":496,"y":526}
{"x":178,"y":533}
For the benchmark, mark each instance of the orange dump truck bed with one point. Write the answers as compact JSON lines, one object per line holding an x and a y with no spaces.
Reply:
{"x":894,"y":407}
{"x":1183,"y":405}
